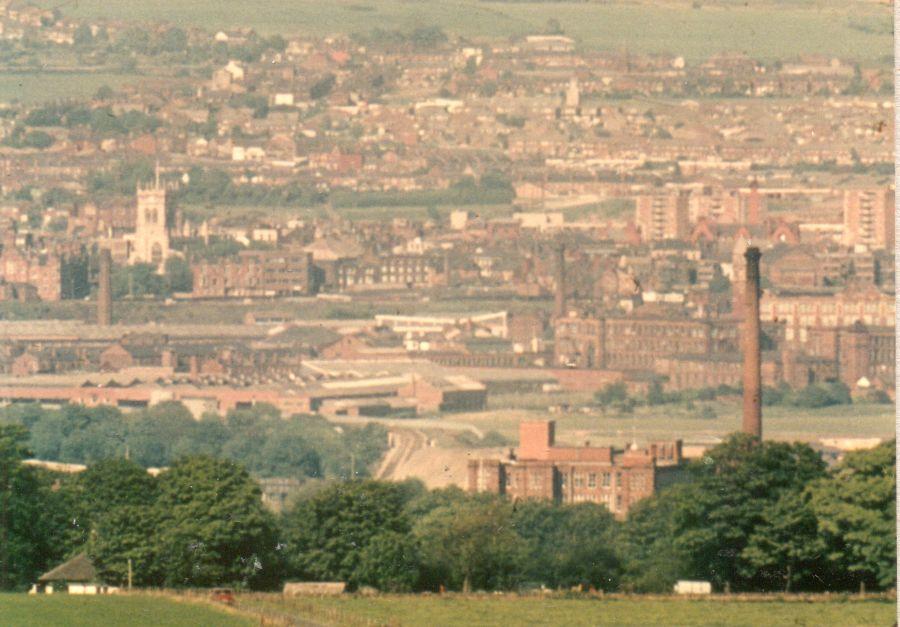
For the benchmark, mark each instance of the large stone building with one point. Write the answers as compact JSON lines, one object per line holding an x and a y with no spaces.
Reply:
{"x":150,"y":241}
{"x":539,"y":469}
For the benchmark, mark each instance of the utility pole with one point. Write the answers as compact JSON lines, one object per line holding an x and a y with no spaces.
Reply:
{"x":129,"y":573}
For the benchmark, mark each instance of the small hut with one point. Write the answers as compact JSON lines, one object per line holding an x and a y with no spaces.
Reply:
{"x":76,"y":576}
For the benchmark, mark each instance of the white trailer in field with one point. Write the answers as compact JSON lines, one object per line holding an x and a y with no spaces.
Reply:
{"x":693,"y":587}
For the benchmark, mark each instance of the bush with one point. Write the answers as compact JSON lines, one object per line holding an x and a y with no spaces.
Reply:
{"x":611,"y":393}
{"x":820,"y":395}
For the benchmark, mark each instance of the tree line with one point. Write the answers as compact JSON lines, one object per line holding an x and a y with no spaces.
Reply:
{"x":813,"y":396}
{"x":259,"y":438}
{"x":752,"y":517}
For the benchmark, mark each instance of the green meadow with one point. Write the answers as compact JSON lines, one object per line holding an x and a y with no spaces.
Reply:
{"x":138,"y":610}
{"x":767,"y":29}
{"x":505,"y":411}
{"x":508,"y":610}
{"x":62,"y":610}
{"x":32,"y":87}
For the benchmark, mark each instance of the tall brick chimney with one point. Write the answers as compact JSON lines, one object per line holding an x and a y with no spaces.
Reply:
{"x":560,"y":255}
{"x":752,"y":420}
{"x":104,"y":290}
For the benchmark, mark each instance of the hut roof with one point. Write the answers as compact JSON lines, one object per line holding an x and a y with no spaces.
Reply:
{"x":79,"y":568}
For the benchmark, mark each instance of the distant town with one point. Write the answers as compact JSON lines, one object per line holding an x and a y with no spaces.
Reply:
{"x":523,"y":265}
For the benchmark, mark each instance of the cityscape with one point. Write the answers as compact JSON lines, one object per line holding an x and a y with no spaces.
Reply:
{"x":326,"y":320}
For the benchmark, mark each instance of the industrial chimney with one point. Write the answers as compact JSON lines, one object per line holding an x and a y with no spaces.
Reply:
{"x":104,"y":290}
{"x":560,"y":308}
{"x":752,"y":421}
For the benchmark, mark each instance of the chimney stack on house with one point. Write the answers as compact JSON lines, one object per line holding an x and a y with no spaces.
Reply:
{"x":104,"y":290}
{"x":560,"y":254}
{"x":752,"y":418}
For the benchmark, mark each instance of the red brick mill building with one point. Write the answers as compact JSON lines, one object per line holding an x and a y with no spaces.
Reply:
{"x":539,"y":469}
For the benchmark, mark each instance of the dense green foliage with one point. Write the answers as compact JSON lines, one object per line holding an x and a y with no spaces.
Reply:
{"x":491,"y":189}
{"x":856,"y":513}
{"x":212,"y":527}
{"x":328,"y":535}
{"x":31,"y":516}
{"x":813,"y":396}
{"x":768,"y":516}
{"x":258,"y":438}
{"x":751,"y":516}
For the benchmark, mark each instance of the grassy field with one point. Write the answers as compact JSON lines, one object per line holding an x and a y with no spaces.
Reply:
{"x":30,"y":87}
{"x":115,"y":611}
{"x":510,"y":610}
{"x":766,"y":29}
{"x":661,"y":422}
{"x":247,"y":214}
{"x":213,"y":312}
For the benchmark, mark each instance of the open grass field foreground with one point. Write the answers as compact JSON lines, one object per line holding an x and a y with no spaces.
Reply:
{"x":443,"y":610}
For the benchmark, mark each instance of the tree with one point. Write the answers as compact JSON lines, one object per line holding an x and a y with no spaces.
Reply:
{"x":612,"y":393}
{"x":105,"y":486}
{"x":553,"y":27}
{"x":288,"y":454}
{"x":856,"y":508}
{"x":104,"y":92}
{"x":29,"y":514}
{"x":179,"y":277}
{"x":654,"y":562}
{"x":326,"y":534}
{"x":174,"y":40}
{"x":568,"y":545}
{"x":821,"y":395}
{"x":83,"y":36}
{"x":115,"y":483}
{"x":390,"y":562}
{"x":709,"y":521}
{"x":138,"y":280}
{"x":322,"y":87}
{"x":127,"y":532}
{"x":213,"y":529}
{"x":719,"y":283}
{"x":786,"y":550}
{"x":37,"y":139}
{"x":472,"y":545}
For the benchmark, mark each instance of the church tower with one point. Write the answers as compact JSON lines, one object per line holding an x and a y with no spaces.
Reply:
{"x":151,"y":235}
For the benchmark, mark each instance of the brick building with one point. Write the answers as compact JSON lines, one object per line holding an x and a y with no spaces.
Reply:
{"x":636,"y":342}
{"x":384,"y":270}
{"x":801,"y":310}
{"x":539,"y":469}
{"x":663,"y":216}
{"x":869,"y":217}
{"x":257,"y":273}
{"x":54,"y":275}
{"x":692,"y":372}
{"x":858,"y":352}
